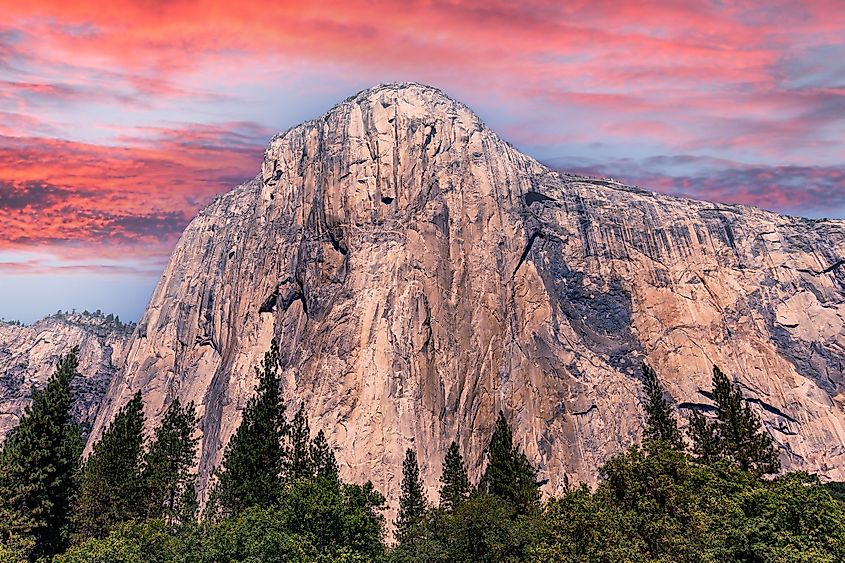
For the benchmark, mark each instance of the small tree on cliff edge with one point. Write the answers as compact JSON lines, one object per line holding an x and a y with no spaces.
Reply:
{"x":509,"y":475}
{"x":412,"y":500}
{"x":39,"y":467}
{"x":660,"y":423}
{"x":250,"y":473}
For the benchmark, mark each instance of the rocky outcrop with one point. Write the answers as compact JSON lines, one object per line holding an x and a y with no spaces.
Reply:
{"x":420,"y":274}
{"x":29,"y":353}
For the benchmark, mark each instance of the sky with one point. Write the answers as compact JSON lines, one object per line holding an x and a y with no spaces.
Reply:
{"x":120,"y":119}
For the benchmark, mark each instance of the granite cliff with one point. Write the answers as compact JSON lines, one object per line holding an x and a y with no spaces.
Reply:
{"x":28,"y":355}
{"x":420,"y":274}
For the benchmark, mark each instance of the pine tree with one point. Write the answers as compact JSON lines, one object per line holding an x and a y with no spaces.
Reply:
{"x":735,"y":434}
{"x":412,"y":499}
{"x":323,"y":460}
{"x":705,"y":441}
{"x":187,"y":508}
{"x":509,"y":475}
{"x":299,"y":463}
{"x":167,"y":476}
{"x":39,"y":467}
{"x":660,"y":423}
{"x":251,"y":470}
{"x":739,"y":429}
{"x":111,"y":489}
{"x":455,"y":487}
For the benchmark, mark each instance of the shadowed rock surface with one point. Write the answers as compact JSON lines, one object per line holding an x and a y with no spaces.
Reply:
{"x":29,"y":353}
{"x":420,"y":274}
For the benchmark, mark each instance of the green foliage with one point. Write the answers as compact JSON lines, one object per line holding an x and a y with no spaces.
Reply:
{"x":131,"y":542}
{"x":412,"y":498}
{"x":736,"y":434}
{"x":167,"y":477}
{"x":39,"y":467}
{"x":659,"y":505}
{"x":790,"y":519}
{"x":580,"y":526}
{"x":335,"y":518}
{"x":481,"y":528}
{"x":836,"y":490}
{"x":664,"y":504}
{"x":250,"y":473}
{"x":509,"y":475}
{"x":111,"y":489}
{"x":660,"y":422}
{"x":16,"y":549}
{"x":299,"y":463}
{"x":489,"y":528}
{"x":455,"y":486}
{"x":255,"y":535}
{"x":322,"y":458}
{"x":318,"y":521}
{"x":705,"y":440}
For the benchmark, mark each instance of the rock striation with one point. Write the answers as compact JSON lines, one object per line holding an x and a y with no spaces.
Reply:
{"x":28,"y":356}
{"x":420,"y":274}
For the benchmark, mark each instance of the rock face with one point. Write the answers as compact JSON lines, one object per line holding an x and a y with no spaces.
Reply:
{"x":420,"y":274}
{"x":28,"y":356}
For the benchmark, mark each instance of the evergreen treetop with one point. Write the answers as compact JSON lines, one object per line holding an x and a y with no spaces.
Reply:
{"x":412,"y":498}
{"x":660,"y":422}
{"x":509,"y":475}
{"x":735,"y":434}
{"x":111,"y":489}
{"x":39,"y":467}
{"x":739,"y":429}
{"x":167,"y":473}
{"x":255,"y":457}
{"x":323,"y":459}
{"x":455,"y":486}
{"x":299,"y":465}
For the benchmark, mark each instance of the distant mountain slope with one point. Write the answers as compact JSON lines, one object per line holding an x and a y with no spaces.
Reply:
{"x":420,"y":274}
{"x":28,"y":354}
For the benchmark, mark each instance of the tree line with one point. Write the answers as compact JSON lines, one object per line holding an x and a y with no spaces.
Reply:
{"x":712,"y":495}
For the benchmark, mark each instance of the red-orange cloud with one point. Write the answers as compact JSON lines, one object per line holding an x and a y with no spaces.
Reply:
{"x":599,"y":78}
{"x":60,"y":192}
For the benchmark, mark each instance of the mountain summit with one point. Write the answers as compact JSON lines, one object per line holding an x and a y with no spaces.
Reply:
{"x":420,"y":274}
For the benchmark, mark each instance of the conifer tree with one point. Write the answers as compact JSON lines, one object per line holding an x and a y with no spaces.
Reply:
{"x":660,"y":423}
{"x":299,"y":462}
{"x":705,"y":441}
{"x":739,"y":429}
{"x":167,"y":476}
{"x":111,"y":489}
{"x":412,"y":499}
{"x":736,"y":433}
{"x":39,"y":467}
{"x":187,"y":508}
{"x":323,"y":460}
{"x":455,"y":487}
{"x":509,"y":475}
{"x":251,"y":470}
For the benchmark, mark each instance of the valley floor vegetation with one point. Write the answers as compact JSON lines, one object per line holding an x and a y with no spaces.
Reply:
{"x":277,"y":495}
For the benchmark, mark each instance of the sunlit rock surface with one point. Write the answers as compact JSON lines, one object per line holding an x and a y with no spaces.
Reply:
{"x":420,"y":274}
{"x":28,"y":356}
